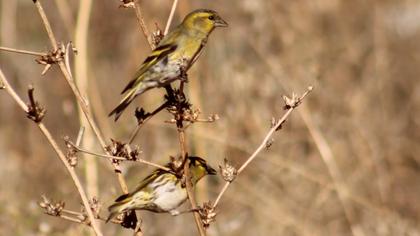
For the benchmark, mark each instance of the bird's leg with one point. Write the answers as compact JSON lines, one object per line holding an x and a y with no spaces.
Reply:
{"x":183,"y":71}
{"x":170,"y":94}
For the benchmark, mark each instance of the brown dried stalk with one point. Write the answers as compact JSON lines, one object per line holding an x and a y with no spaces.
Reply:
{"x":188,"y":184}
{"x":142,"y":118}
{"x":142,"y":24}
{"x":80,"y":100}
{"x":115,"y":158}
{"x":171,"y":16}
{"x":57,"y":149}
{"x":178,"y":108}
{"x":290,"y":105}
{"x":23,"y":51}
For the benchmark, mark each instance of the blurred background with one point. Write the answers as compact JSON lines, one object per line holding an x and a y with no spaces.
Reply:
{"x":346,"y":162}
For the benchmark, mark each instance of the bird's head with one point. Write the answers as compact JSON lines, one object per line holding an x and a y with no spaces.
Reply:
{"x":199,"y":168}
{"x":204,"y":20}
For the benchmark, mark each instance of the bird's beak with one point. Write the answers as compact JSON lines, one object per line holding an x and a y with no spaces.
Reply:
{"x":211,"y":171}
{"x":220,"y":22}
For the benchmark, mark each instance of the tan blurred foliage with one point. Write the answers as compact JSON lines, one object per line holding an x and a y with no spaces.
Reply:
{"x":346,"y":163}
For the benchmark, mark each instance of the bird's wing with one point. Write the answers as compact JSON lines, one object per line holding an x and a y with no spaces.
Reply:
{"x":158,"y":54}
{"x":149,"y":179}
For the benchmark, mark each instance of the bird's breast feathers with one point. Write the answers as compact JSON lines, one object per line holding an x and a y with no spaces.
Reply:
{"x":169,"y":196}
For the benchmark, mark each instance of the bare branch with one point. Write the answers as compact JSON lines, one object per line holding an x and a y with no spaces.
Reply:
{"x":291,"y":104}
{"x":171,"y":16}
{"x":60,"y":154}
{"x":113,"y":158}
{"x":46,"y":24}
{"x":81,"y":101}
{"x":23,"y":51}
{"x":142,"y":24}
{"x":143,"y":117}
{"x":177,"y":108}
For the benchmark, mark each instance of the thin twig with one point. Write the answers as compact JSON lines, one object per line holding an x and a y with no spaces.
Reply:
{"x":77,"y":148}
{"x":263,"y":144}
{"x":185,"y":161}
{"x":23,"y":51}
{"x":171,"y":16}
{"x":149,"y":116}
{"x":60,"y":154}
{"x":188,"y":184}
{"x":80,"y":136}
{"x":46,"y":24}
{"x":75,"y":213}
{"x":72,"y":219}
{"x":81,"y":101}
{"x":81,"y":68}
{"x":142,"y":24}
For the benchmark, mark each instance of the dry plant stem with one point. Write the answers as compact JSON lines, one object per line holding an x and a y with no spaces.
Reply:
{"x":22,"y":51}
{"x":262,"y":145}
{"x":142,"y":24}
{"x":146,"y":33}
{"x":75,"y":220}
{"x":171,"y":16}
{"x":81,"y":80}
{"x":188,"y":184}
{"x":138,"y":127}
{"x":81,"y":101}
{"x":80,"y":136}
{"x":46,"y":24}
{"x":60,"y":154}
{"x":120,"y":158}
{"x":136,"y":130}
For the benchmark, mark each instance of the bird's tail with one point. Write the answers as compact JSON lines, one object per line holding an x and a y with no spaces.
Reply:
{"x":123,"y":104}
{"x":121,"y":204}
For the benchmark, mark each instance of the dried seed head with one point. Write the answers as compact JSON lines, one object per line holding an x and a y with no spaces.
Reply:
{"x":207,"y":214}
{"x":157,"y":35}
{"x":51,"y":208}
{"x":292,"y":102}
{"x":35,"y":111}
{"x":52,"y":57}
{"x":71,"y":152}
{"x":228,"y":171}
{"x":95,"y":205}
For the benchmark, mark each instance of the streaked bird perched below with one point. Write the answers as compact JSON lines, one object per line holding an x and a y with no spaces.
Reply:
{"x":173,"y":56}
{"x":162,"y":191}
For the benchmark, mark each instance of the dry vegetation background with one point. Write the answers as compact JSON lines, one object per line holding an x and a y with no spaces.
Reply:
{"x":346,"y":163}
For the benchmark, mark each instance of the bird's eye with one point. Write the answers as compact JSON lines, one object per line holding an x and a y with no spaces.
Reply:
{"x":211,"y":17}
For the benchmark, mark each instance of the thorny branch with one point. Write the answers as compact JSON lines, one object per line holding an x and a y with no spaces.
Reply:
{"x":229,"y":173}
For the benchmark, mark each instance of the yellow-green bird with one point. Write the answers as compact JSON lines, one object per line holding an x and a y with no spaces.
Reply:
{"x":175,"y":54}
{"x":162,"y":191}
